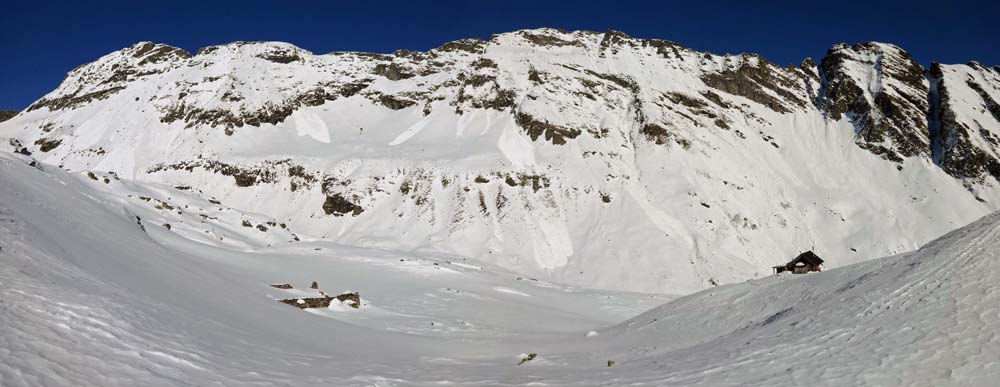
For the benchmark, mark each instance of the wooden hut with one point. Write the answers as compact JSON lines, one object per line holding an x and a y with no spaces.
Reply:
{"x":804,"y":263}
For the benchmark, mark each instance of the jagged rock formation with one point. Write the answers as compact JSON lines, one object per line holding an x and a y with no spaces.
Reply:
{"x":590,"y":158}
{"x":885,"y":93}
{"x":967,"y":116}
{"x":7,"y":114}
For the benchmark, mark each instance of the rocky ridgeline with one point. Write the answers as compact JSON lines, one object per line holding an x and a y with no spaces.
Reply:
{"x":884,"y":91}
{"x":7,"y":114}
{"x":536,"y":144}
{"x":879,"y":87}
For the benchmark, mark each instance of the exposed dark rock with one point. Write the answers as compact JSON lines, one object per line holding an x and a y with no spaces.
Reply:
{"x":502,"y":99}
{"x":624,"y":81}
{"x":894,"y":125}
{"x":716,"y":99}
{"x":536,"y":128}
{"x":665,"y":48}
{"x":280,"y":55}
{"x":7,"y":114}
{"x":392,"y":71}
{"x":476,"y":80}
{"x":337,"y":205}
{"x":474,"y":46}
{"x":74,"y":100}
{"x":809,"y":68}
{"x":270,"y":113}
{"x":47,"y":144}
{"x":757,"y":82}
{"x":685,"y":100}
{"x":282,"y":286}
{"x":991,"y":105}
{"x":156,"y":53}
{"x":536,"y":182}
{"x":300,"y":178}
{"x":615,"y":38}
{"x":548,"y":40}
{"x":265,"y":172}
{"x":534,"y":76}
{"x":353,"y":300}
{"x":484,"y":63}
{"x":659,"y":135}
{"x":394,"y":103}
{"x":18,"y":148}
{"x":958,"y":155}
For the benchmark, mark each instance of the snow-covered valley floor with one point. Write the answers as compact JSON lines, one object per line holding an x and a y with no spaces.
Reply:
{"x":96,"y":290}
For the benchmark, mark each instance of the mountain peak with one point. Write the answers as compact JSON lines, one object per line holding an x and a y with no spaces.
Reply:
{"x":884,"y":92}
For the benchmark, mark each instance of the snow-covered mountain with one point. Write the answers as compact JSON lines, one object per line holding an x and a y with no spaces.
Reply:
{"x":98,"y":290}
{"x":582,"y":158}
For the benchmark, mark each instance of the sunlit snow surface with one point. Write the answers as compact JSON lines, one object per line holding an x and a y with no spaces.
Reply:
{"x":89,"y":298}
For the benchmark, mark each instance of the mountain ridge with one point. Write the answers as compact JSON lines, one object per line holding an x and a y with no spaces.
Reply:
{"x":587,"y":158}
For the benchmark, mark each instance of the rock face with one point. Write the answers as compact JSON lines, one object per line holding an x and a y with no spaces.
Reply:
{"x":884,"y":93}
{"x":588,"y":158}
{"x":7,"y":114}
{"x":967,"y":117}
{"x":352,"y":299}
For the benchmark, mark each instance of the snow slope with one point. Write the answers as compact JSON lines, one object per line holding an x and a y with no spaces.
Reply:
{"x":91,"y":295}
{"x":581,"y":158}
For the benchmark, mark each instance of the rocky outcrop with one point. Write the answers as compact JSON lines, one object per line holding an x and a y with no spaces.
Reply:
{"x":760,"y":81}
{"x":967,"y":141}
{"x":352,"y":299}
{"x":883,"y":91}
{"x":536,"y":128}
{"x":337,"y":205}
{"x":110,"y":74}
{"x":7,"y":114}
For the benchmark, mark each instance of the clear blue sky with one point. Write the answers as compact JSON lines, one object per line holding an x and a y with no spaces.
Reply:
{"x":42,"y":41}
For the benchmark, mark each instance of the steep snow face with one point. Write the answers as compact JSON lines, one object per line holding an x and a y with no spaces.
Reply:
{"x":884,"y":92}
{"x":583,"y":158}
{"x":968,"y":120}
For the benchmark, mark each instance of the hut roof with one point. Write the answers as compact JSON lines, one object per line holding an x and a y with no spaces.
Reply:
{"x":808,"y":257}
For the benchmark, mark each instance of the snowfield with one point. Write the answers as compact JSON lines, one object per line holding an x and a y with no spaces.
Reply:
{"x":92,"y":296}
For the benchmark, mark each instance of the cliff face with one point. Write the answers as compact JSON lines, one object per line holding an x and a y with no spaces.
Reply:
{"x":7,"y":114}
{"x":884,"y":92}
{"x":594,"y":159}
{"x":968,"y":118}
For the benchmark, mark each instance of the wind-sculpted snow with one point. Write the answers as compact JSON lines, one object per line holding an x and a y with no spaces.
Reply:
{"x":584,"y":158}
{"x":98,"y":291}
